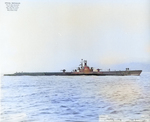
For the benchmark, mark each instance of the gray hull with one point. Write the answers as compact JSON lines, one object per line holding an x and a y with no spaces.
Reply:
{"x":104,"y":73}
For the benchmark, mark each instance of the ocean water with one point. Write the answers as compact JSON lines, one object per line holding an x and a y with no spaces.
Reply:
{"x":75,"y":98}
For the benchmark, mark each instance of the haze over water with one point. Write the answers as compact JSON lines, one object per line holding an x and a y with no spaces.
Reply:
{"x":74,"y":99}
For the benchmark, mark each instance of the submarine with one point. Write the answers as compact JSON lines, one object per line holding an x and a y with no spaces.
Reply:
{"x":84,"y":69}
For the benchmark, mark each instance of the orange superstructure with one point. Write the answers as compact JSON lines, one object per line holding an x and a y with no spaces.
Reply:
{"x":85,"y":68}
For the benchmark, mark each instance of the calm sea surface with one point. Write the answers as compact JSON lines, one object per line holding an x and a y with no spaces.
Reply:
{"x":75,"y":99}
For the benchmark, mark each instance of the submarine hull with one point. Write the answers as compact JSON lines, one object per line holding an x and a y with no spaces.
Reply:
{"x":104,"y":73}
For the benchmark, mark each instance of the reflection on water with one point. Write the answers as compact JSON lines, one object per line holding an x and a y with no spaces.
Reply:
{"x":74,"y":99}
{"x":121,"y":92}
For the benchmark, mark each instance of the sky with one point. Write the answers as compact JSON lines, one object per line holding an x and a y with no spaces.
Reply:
{"x":50,"y":35}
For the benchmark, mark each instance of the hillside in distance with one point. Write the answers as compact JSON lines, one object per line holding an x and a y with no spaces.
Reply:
{"x":145,"y":67}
